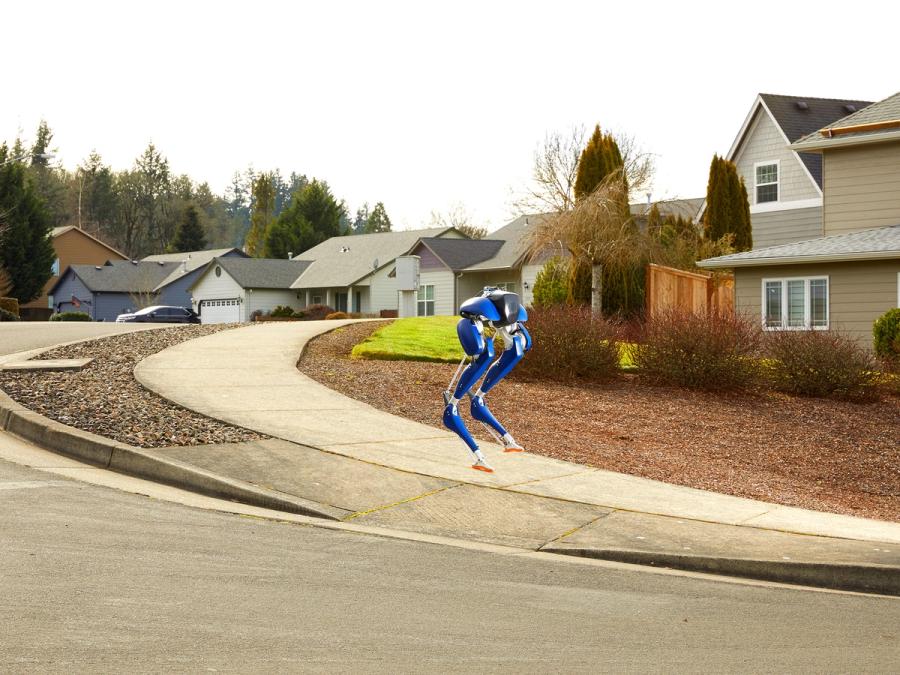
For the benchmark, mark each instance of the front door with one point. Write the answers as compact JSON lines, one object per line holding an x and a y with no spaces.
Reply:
{"x":340,"y":302}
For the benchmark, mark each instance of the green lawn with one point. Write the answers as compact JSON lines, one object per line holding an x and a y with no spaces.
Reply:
{"x":431,"y":338}
{"x":420,"y":338}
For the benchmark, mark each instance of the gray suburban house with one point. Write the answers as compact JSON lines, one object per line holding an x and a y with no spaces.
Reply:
{"x":784,"y":182}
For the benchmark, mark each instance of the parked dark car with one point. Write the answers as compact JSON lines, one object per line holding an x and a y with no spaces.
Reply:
{"x":160,"y":314}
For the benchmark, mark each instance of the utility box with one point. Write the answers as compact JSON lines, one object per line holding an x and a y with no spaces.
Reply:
{"x":408,"y":273}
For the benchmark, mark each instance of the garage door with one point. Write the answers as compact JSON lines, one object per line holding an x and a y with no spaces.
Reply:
{"x":220,"y":311}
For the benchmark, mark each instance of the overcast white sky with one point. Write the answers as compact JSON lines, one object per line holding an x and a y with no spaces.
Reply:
{"x":422,"y":105}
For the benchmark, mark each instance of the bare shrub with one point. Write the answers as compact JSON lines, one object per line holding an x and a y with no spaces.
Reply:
{"x":700,"y":351}
{"x":568,"y":343}
{"x":314,"y":312}
{"x":820,"y":363}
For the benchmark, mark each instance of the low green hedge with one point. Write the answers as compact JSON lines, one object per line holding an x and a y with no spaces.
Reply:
{"x":71,"y":316}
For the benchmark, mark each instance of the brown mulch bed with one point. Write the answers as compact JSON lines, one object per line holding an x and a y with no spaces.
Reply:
{"x":811,"y":453}
{"x":104,"y":398}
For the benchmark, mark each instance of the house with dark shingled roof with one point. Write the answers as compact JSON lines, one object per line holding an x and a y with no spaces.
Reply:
{"x":847,"y":275}
{"x":784,"y":185}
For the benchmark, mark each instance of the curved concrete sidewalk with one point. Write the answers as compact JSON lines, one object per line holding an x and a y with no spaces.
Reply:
{"x":248,"y":377}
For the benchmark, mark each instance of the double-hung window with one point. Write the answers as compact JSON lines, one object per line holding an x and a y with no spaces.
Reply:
{"x":766,"y":182}
{"x":795,"y":304}
{"x":509,"y":286}
{"x":426,"y":300}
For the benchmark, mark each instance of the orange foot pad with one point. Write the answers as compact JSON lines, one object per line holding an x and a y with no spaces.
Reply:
{"x":486,"y":469}
{"x":514,"y":450}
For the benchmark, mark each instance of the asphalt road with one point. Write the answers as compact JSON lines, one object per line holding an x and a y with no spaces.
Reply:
{"x":20,"y":336}
{"x":94,"y":579}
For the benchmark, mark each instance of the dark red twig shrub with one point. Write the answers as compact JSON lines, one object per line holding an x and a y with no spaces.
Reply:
{"x":314,"y":312}
{"x":569,"y":343}
{"x":701,"y":351}
{"x":823,"y":363}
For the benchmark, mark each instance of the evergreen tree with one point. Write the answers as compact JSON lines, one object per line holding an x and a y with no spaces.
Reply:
{"x":26,"y":250}
{"x":654,"y":222}
{"x":599,"y":158}
{"x":154,"y":192}
{"x":262,"y":213}
{"x":312,"y":217}
{"x":727,"y":207}
{"x":49,"y":182}
{"x":190,"y":235}
{"x":378,"y":220}
{"x":286,"y":238}
{"x":551,"y":283}
{"x":361,"y":220}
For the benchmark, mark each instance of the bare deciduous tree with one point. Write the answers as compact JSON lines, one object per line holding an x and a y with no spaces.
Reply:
{"x":460,"y":218}
{"x":555,"y":169}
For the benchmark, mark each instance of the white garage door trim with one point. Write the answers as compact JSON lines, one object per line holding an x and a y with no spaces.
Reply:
{"x":223,"y":310}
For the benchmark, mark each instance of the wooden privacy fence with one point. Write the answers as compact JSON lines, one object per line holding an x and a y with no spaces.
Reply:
{"x":673,"y":289}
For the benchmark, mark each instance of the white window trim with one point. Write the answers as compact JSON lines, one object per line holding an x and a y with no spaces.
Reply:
{"x":777,"y":183}
{"x":767,"y":207}
{"x":425,"y":302}
{"x":807,"y":318}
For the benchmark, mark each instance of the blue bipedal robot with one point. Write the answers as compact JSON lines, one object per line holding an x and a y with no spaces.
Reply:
{"x":501,"y":311}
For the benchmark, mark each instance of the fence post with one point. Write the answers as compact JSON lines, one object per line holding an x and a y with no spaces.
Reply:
{"x":597,"y":290}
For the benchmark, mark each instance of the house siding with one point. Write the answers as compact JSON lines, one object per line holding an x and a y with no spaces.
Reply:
{"x":265,"y":300}
{"x":107,"y":306}
{"x":858,"y":292}
{"x":70,"y":286}
{"x":764,"y":142}
{"x":383,"y":291}
{"x":862,"y":187}
{"x":786,"y":227}
{"x":442,"y":279}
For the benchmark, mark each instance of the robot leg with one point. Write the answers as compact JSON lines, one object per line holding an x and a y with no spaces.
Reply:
{"x":451,"y":417}
{"x":501,"y":368}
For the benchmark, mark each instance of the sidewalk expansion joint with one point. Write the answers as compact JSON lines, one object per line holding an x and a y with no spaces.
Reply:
{"x":575,"y":529}
{"x":402,"y":501}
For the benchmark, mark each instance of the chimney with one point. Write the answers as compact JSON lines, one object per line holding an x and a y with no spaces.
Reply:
{"x":290,"y":255}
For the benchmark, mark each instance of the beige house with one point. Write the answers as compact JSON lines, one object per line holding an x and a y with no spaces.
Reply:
{"x":848,"y":277}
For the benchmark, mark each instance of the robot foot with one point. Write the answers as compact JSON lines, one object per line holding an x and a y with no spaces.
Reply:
{"x":510,"y":444}
{"x":481,"y":463}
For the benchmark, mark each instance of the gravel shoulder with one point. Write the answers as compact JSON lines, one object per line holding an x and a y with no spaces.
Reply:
{"x":104,"y":398}
{"x":811,"y":453}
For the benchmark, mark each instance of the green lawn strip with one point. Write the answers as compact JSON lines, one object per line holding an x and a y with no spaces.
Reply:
{"x":431,"y":338}
{"x":421,"y":338}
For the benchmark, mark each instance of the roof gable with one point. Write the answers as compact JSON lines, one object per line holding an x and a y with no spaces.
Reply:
{"x":74,"y":229}
{"x":346,"y":260}
{"x":458,"y":254}
{"x":796,"y":116}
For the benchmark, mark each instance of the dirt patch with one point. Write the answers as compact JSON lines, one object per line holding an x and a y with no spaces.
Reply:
{"x":810,"y":453}
{"x":104,"y":398}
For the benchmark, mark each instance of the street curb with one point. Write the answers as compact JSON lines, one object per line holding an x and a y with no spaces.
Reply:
{"x":122,"y":458}
{"x":862,"y":578}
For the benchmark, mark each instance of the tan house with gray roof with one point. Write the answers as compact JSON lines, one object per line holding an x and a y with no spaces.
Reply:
{"x":850,"y":276}
{"x":784,"y":184}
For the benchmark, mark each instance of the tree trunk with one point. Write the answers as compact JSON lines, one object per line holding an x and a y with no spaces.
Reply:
{"x":597,"y":290}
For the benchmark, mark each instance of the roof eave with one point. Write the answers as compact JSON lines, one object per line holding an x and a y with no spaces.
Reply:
{"x":818,"y":145}
{"x":713,"y":263}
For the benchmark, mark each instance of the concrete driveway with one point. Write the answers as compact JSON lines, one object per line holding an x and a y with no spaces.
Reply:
{"x":23,"y":336}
